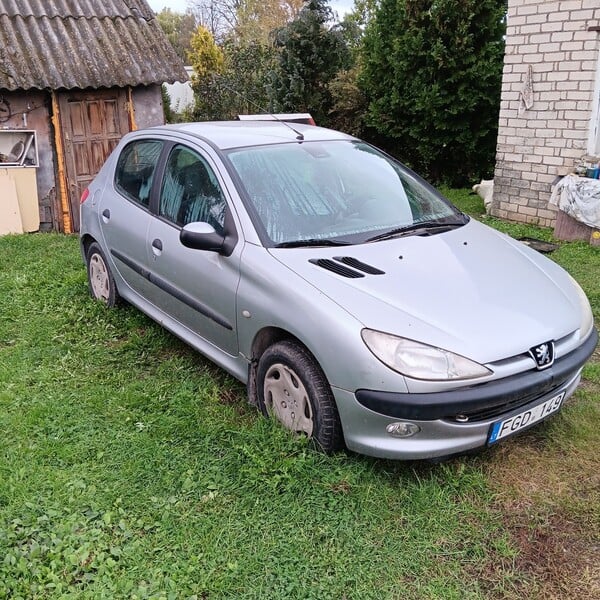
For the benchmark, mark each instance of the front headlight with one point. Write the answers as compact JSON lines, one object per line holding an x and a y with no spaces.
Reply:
{"x":420,"y":361}
{"x":587,"y":318}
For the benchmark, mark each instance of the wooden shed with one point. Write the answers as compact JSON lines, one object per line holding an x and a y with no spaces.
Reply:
{"x":74,"y":77}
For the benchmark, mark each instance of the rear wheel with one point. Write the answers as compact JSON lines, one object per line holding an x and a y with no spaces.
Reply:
{"x":101,"y":282}
{"x":293,"y":389}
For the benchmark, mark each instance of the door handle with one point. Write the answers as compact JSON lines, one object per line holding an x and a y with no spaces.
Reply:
{"x":106,"y":215}
{"x":157,"y":247}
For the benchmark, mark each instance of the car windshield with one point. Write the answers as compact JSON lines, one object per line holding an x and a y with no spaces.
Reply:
{"x":336,"y":192}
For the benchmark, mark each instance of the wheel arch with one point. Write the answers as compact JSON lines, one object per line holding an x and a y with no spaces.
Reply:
{"x":328,"y":433}
{"x":263,"y":339}
{"x":86,"y":241}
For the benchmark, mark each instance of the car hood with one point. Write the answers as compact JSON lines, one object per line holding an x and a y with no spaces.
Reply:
{"x":471,"y":290}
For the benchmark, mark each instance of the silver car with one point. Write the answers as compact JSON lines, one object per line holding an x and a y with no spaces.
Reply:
{"x":358,"y":305}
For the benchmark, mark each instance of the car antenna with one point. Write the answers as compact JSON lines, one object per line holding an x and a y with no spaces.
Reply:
{"x":299,"y":135}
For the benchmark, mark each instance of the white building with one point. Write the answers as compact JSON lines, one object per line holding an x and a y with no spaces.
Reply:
{"x":550,"y":110}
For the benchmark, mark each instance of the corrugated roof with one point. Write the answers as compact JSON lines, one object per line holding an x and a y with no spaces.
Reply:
{"x":83,"y":43}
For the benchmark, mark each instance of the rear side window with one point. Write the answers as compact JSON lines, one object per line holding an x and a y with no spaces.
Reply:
{"x":135,"y":170}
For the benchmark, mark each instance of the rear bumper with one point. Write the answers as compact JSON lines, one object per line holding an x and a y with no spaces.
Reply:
{"x":440,"y":434}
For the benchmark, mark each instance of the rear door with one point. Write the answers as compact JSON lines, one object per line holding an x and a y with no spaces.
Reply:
{"x":124,"y":211}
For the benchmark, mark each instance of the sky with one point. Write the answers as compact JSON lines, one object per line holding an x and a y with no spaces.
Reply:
{"x":340,"y":6}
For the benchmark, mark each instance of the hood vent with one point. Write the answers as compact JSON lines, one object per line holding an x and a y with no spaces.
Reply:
{"x":335,"y":267}
{"x":357,"y":264}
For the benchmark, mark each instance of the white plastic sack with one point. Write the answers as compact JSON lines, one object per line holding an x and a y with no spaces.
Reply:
{"x":485,"y":190}
{"x":579,"y":197}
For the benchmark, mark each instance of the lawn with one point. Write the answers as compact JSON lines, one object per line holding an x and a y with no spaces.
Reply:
{"x":131,"y":467}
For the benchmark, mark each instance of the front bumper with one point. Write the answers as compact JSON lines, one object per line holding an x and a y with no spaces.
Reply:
{"x":366,"y":414}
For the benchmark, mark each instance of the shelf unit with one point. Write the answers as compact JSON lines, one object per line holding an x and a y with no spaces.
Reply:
{"x":18,"y":148}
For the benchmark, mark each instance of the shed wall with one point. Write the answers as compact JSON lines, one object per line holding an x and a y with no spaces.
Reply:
{"x":148,"y":106}
{"x":31,"y":110}
{"x":549,"y":139}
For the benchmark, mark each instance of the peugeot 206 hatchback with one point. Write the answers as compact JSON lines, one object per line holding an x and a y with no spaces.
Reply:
{"x":358,"y":305}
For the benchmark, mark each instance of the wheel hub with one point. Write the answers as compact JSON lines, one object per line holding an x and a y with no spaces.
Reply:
{"x":287,"y":400}
{"x":99,"y":279}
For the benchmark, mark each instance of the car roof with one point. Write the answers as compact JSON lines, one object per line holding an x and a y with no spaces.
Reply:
{"x":235,"y":134}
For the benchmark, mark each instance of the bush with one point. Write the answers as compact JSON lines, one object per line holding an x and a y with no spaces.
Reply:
{"x":432,"y":76}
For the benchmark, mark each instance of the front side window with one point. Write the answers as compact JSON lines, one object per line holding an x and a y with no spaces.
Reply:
{"x":338,"y":191}
{"x":135,"y":170}
{"x":190,"y":191}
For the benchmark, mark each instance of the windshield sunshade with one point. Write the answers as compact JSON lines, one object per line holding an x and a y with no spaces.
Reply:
{"x":340,"y":191}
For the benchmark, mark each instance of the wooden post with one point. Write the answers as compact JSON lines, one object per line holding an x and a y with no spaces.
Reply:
{"x":62,"y":175}
{"x":130,"y":110}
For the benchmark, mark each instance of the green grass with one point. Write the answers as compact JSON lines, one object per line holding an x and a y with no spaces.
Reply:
{"x":131,"y":467}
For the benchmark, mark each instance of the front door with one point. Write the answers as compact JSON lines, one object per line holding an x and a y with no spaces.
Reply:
{"x":195,"y":287}
{"x":92,"y":123}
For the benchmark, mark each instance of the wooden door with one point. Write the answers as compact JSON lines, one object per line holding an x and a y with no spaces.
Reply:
{"x":92,"y":124}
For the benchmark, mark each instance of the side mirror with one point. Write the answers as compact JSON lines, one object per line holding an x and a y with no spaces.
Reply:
{"x":201,"y":236}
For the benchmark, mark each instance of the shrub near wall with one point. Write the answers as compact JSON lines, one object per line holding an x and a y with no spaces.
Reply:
{"x":432,"y":75}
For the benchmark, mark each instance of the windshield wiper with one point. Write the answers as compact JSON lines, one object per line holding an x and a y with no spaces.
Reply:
{"x":311,"y":242}
{"x":417,"y":229}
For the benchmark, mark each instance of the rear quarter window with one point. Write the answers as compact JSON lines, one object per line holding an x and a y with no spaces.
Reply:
{"x":135,"y":170}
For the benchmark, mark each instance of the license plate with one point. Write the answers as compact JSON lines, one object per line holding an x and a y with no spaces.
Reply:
{"x":502,"y":429}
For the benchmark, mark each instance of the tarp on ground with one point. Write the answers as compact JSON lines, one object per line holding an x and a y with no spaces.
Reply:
{"x":579,"y":197}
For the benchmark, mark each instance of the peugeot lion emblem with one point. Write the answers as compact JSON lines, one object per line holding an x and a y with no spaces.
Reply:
{"x":543,"y":354}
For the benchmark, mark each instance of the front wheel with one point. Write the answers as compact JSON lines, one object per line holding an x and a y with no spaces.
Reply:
{"x":293,"y":389}
{"x":100,"y":279}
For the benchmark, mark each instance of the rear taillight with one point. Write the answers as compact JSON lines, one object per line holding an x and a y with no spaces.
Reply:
{"x":84,"y":196}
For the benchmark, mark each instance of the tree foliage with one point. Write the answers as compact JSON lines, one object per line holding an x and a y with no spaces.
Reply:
{"x":166,"y":103}
{"x":287,"y":69}
{"x":310,"y":54}
{"x":432,"y":74}
{"x":206,"y":57}
{"x":349,"y":104}
{"x":241,"y":85}
{"x":245,"y":21}
{"x":179,"y":29}
{"x":257,"y":19}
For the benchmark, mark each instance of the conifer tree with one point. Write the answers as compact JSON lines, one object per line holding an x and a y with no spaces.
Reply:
{"x":432,"y":73}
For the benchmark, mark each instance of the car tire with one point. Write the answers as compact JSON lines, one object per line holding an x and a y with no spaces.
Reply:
{"x":293,"y":389}
{"x":100,"y":279}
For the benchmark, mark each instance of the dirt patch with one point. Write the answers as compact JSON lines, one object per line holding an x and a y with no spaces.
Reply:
{"x":549,"y":501}
{"x":229,"y":397}
{"x":589,"y":386}
{"x":235,"y":399}
{"x":557,"y":558}
{"x":536,"y":475}
{"x":341,"y":487}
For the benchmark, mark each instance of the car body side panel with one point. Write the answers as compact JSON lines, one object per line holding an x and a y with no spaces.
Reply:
{"x":207,"y":277}
{"x":125,"y":245}
{"x":276,"y":297}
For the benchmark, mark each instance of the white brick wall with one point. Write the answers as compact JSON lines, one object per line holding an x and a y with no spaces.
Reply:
{"x":550,"y":139}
